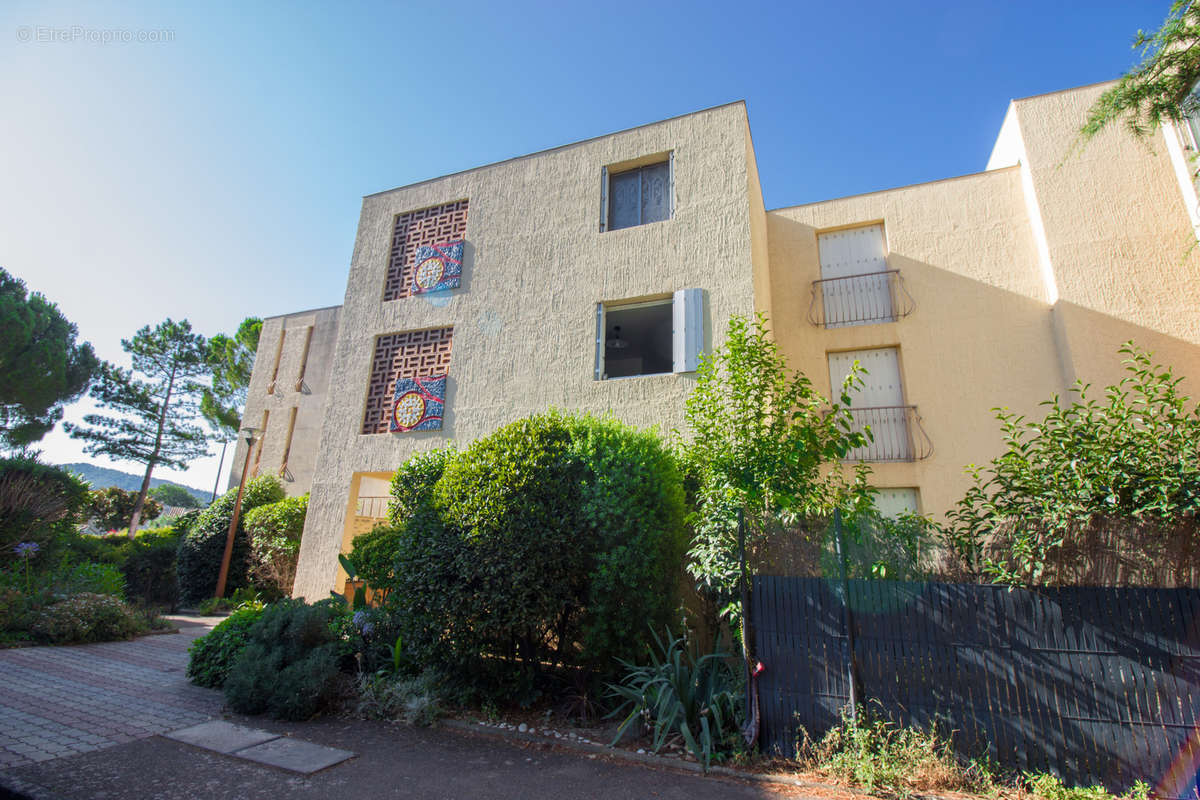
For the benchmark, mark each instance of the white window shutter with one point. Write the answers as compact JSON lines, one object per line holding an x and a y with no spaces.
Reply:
{"x":671,"y":190}
{"x":603,"y":199}
{"x":599,"y":341}
{"x":688,"y":341}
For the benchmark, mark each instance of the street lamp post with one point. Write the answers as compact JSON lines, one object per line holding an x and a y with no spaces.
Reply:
{"x":223,"y":576}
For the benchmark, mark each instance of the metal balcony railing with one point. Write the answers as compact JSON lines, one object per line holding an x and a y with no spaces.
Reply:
{"x":373,"y":507}
{"x":896,"y":432}
{"x":865,"y":299}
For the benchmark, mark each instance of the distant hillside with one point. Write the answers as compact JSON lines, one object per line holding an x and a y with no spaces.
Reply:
{"x":103,"y":477}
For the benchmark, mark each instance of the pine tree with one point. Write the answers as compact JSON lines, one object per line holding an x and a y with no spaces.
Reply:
{"x":154,"y":405}
{"x":41,"y":365}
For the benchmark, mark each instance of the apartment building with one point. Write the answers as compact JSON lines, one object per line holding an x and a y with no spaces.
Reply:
{"x":592,"y":276}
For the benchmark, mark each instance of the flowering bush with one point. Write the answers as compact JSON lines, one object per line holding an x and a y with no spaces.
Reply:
{"x":85,"y":617}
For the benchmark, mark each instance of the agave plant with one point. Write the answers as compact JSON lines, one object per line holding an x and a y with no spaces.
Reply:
{"x":679,"y":695}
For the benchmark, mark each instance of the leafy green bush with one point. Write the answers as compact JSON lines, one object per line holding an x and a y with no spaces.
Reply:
{"x":112,"y":509}
{"x":85,"y":617}
{"x":765,"y":442}
{"x":212,"y":656}
{"x":87,"y":578}
{"x":374,"y":554}
{"x":38,"y":503}
{"x":1051,"y":787}
{"x":1121,"y":476}
{"x":109,"y":549}
{"x":149,"y":567}
{"x":554,"y":540}
{"x":275,"y":530}
{"x":681,"y":696}
{"x":203,"y":546}
{"x":290,"y":664}
{"x":412,"y":485}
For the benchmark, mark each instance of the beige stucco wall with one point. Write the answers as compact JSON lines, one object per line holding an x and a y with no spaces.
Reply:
{"x":1025,"y":278}
{"x":1118,"y":235}
{"x":979,"y":335}
{"x":524,"y":320}
{"x":307,"y":397}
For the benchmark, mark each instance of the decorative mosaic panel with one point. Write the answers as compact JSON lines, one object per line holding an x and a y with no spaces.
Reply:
{"x":409,"y":354}
{"x":418,"y":404}
{"x":429,"y":226}
{"x":438,"y":267}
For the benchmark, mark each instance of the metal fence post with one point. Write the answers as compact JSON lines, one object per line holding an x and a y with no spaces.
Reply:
{"x":847,"y":614}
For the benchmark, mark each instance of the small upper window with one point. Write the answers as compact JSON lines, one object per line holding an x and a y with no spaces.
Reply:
{"x":638,"y":196}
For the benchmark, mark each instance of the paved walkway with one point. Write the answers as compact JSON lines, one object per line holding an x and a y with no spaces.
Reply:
{"x":79,"y":723}
{"x":59,"y":701}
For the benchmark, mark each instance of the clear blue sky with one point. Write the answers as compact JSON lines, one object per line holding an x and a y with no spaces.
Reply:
{"x":217,"y":173}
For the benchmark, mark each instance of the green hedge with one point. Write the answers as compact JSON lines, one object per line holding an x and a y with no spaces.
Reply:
{"x":557,"y":539}
{"x":201,"y":549}
{"x":289,"y":667}
{"x":275,"y":530}
{"x":212,"y":656}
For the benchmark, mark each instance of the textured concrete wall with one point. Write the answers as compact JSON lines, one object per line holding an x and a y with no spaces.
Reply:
{"x":307,"y":396}
{"x":536,"y":265}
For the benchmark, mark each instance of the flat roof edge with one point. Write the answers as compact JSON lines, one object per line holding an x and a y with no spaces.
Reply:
{"x":557,"y":148}
{"x":302,"y":311}
{"x":898,"y":188}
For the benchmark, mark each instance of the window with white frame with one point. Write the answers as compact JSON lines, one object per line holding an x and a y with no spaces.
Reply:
{"x":856,"y":285}
{"x":637,"y":195}
{"x":895,"y":503}
{"x":653,"y":337}
{"x":878,"y":403}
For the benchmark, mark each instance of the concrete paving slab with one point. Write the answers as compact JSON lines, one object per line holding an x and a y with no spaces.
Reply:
{"x":221,"y":736}
{"x":295,"y":755}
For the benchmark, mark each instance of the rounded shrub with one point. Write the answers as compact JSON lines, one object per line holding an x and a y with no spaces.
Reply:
{"x":557,"y":539}
{"x":85,"y":617}
{"x":289,"y":667}
{"x":212,"y":656}
{"x":203,"y":546}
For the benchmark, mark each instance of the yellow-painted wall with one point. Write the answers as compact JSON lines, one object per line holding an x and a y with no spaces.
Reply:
{"x":979,"y":334}
{"x":1025,"y":278}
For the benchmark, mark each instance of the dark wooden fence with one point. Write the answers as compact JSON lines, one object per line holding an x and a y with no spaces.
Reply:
{"x":1096,"y":685}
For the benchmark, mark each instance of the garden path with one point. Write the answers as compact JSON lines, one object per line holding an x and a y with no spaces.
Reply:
{"x":60,"y":701}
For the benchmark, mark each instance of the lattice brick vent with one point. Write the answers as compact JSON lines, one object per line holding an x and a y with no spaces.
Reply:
{"x":428,"y":226}
{"x":402,"y":355}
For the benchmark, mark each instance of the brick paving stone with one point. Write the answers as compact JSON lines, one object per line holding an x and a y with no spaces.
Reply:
{"x":59,"y":701}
